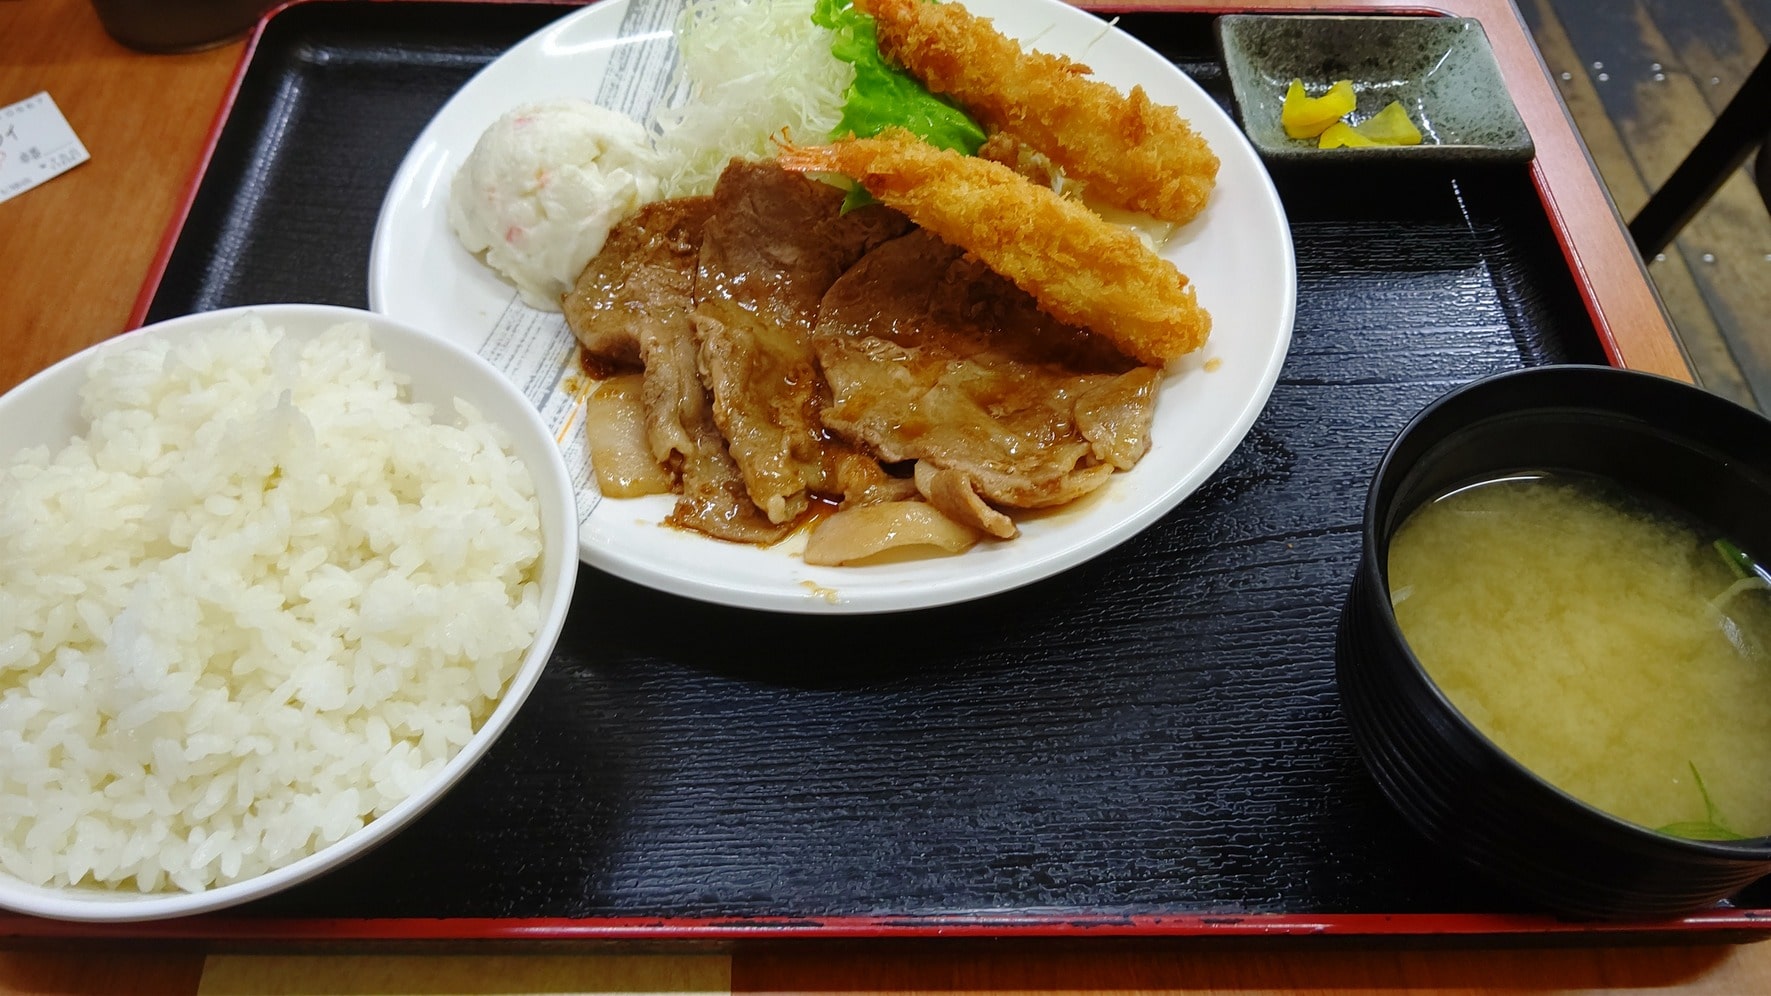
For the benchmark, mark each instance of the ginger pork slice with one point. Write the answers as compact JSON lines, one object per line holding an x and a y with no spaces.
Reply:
{"x":932,"y":357}
{"x":631,"y":307}
{"x":773,"y":245}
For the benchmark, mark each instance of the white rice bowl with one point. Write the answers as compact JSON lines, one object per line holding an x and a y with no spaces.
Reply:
{"x":368,"y":707}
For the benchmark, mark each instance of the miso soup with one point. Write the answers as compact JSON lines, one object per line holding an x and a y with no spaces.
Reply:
{"x":1614,"y":648}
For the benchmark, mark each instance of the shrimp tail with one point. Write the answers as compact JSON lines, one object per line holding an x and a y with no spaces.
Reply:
{"x":807,"y":158}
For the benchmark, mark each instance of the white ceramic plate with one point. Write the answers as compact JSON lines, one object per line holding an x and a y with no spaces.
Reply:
{"x":1238,"y":254}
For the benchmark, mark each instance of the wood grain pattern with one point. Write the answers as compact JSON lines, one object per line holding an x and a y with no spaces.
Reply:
{"x":71,"y":256}
{"x":1712,"y":361}
{"x":74,"y":250}
{"x":67,"y":972}
{"x":1716,"y":42}
{"x":1661,"y":114}
{"x":1138,"y":969}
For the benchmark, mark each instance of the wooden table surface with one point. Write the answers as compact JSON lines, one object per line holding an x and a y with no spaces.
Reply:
{"x":73,"y":254}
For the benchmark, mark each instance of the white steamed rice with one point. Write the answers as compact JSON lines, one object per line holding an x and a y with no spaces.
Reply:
{"x":261,"y":602}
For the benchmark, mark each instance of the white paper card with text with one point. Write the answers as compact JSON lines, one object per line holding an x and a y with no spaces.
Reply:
{"x":36,"y":144}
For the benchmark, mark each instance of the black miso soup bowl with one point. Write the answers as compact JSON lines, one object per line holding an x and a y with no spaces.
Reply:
{"x":1665,"y":440}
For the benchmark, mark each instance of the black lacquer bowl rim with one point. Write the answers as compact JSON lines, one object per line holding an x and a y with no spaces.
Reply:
{"x":1374,"y":572}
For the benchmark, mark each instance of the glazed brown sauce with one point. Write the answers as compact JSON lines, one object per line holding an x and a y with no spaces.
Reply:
{"x":818,"y":508}
{"x":598,"y":367}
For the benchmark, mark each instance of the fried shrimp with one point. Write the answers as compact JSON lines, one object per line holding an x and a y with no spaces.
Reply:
{"x":1127,"y":151}
{"x":1080,"y":269}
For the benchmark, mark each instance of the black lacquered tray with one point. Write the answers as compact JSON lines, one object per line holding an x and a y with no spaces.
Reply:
{"x":1148,"y":744}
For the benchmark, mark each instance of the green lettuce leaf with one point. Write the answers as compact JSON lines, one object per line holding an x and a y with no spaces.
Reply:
{"x":883,"y":95}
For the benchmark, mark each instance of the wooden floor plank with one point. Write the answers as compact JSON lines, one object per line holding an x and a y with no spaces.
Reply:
{"x":1728,"y":243}
{"x":1706,"y":349}
{"x":1715,"y":41}
{"x":1660,"y":116}
{"x":1728,"y":246}
{"x":1712,"y":361}
{"x":1616,"y":167}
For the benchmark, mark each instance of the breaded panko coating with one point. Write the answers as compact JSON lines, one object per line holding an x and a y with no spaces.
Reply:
{"x":1126,"y":150}
{"x":1080,"y":269}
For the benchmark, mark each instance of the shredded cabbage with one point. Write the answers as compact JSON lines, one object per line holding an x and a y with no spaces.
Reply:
{"x":808,"y":70}
{"x":752,"y":68}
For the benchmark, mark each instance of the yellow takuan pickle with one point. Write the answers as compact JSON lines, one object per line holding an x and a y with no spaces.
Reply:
{"x":1305,"y":116}
{"x":1390,"y":126}
{"x":1342,"y":135}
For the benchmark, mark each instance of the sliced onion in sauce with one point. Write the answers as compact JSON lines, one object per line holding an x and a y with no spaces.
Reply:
{"x":615,"y":428}
{"x":855,"y":534}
